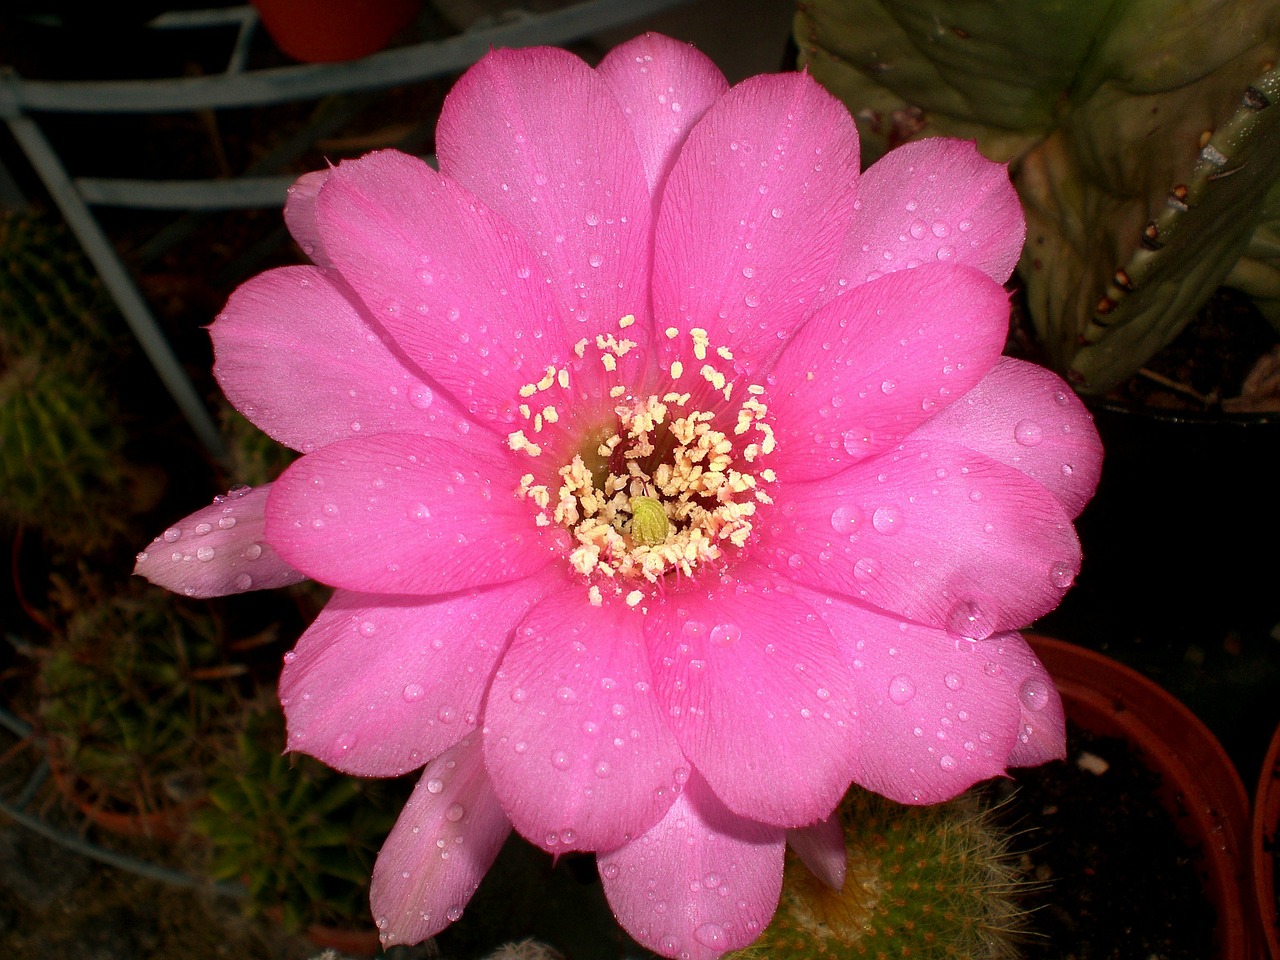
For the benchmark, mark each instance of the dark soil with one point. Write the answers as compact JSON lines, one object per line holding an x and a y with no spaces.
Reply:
{"x":1112,"y":878}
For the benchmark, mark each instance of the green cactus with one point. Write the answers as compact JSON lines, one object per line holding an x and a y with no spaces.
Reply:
{"x":62,"y":436}
{"x":62,"y":463}
{"x":51,"y":301}
{"x":301,"y":836}
{"x":922,"y":882}
{"x":131,"y":691}
{"x":1140,"y":137}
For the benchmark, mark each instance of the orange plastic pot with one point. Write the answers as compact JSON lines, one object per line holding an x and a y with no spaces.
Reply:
{"x":1266,"y":826}
{"x":1200,"y":787}
{"x":325,"y":31}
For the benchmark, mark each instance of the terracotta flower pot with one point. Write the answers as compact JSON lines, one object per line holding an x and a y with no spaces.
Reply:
{"x":1266,"y":826}
{"x":323,"y":31}
{"x":1199,"y":785}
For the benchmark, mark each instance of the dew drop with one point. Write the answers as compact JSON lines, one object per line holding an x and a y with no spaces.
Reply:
{"x":901,"y":689}
{"x":453,"y":914}
{"x":857,"y":442}
{"x":226,"y":523}
{"x":205,"y":554}
{"x":725,"y":634}
{"x":412,"y":692}
{"x":1034,"y":694}
{"x":845,"y":519}
{"x":253,"y":551}
{"x":1028,"y":433}
{"x":865,"y":569}
{"x":710,"y":935}
{"x":947,"y":762}
{"x":953,"y":681}
{"x":419,"y":512}
{"x":421,"y":396}
{"x":435,"y":785}
{"x":1061,"y":575}
{"x":172,"y":534}
{"x":368,"y":628}
{"x":202,"y":528}
{"x":887,"y":520}
{"x":970,"y":620}
{"x":455,"y":812}
{"x":560,"y":760}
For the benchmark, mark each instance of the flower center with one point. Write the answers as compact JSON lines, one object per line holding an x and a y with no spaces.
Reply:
{"x":670,"y":484}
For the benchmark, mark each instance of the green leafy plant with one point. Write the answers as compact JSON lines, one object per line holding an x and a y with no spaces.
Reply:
{"x":1141,"y":136}
{"x":131,"y":691}
{"x":300,"y":835}
{"x":922,"y":882}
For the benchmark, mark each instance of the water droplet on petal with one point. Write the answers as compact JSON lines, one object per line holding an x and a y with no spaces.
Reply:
{"x":970,"y":620}
{"x":412,"y":692}
{"x":887,"y":520}
{"x":205,"y":553}
{"x":901,"y":689}
{"x":857,"y":442}
{"x":953,"y":681}
{"x":845,"y":519}
{"x":725,"y":634}
{"x":455,"y":812}
{"x":710,"y":935}
{"x":1034,"y":694}
{"x":1062,"y":574}
{"x":1028,"y":433}
{"x":435,"y":785}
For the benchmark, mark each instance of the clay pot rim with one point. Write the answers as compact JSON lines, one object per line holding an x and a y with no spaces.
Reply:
{"x":1105,"y":696}
{"x":1266,"y":818}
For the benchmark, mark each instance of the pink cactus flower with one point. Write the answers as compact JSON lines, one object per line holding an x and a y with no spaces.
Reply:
{"x":669,"y":475}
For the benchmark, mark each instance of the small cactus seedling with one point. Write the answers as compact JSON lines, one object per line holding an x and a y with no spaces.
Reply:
{"x":301,"y":836}
{"x":922,"y":882}
{"x":1141,"y":136}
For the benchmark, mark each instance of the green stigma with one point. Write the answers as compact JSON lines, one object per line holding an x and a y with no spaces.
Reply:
{"x":649,"y":526}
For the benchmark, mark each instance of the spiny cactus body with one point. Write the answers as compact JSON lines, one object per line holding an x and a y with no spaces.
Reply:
{"x":1141,"y":137}
{"x":922,"y":882}
{"x":302,"y":836}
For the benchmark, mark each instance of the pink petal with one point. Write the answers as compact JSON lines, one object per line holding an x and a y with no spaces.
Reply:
{"x":878,"y":361}
{"x":1027,"y":417}
{"x":299,"y":359}
{"x":445,"y":840}
{"x":459,"y":291}
{"x":300,"y":215}
{"x":409,"y":515}
{"x":538,"y":136}
{"x":759,"y":698}
{"x":218,"y":550}
{"x":699,"y":883}
{"x":378,"y":685}
{"x":754,"y":211}
{"x":937,"y":714}
{"x":928,"y":201}
{"x":664,"y":87}
{"x":1042,"y":732}
{"x":574,"y":738}
{"x":933,"y":532}
{"x":820,"y":847}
